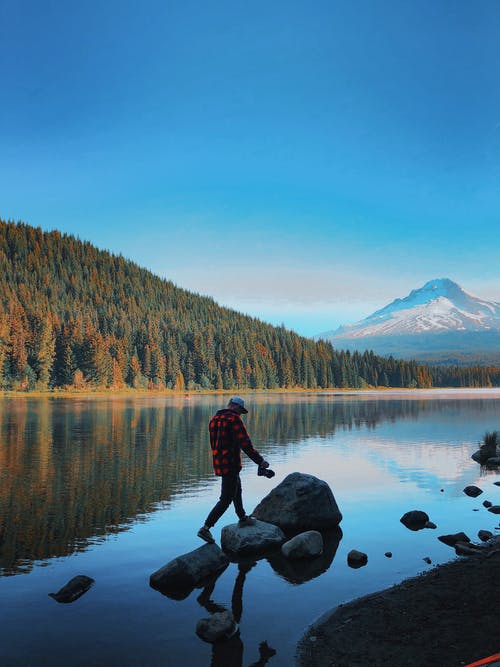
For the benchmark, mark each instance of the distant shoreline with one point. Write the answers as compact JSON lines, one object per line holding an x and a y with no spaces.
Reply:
{"x":487,"y":392}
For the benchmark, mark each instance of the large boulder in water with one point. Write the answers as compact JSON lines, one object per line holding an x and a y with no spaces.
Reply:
{"x":252,"y":539}
{"x":190,"y":570}
{"x":301,"y":502}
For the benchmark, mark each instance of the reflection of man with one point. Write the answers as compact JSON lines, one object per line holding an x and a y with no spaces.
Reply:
{"x":228,"y":436}
{"x":229,"y":653}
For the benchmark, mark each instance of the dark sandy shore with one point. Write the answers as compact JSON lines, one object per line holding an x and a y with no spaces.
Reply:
{"x":447,"y":617}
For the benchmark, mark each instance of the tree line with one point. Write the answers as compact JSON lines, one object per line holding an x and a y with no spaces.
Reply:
{"x":74,"y":316}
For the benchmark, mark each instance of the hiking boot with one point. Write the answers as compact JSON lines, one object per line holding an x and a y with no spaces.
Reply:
{"x":206,"y":535}
{"x":246,"y":521}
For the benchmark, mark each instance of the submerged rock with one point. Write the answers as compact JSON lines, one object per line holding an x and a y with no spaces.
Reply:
{"x":217,"y":627}
{"x":74,"y":589}
{"x":415,"y":519}
{"x":494,"y":509}
{"x":304,"y":545}
{"x":251,"y":540}
{"x":189,"y":570}
{"x":301,"y":502}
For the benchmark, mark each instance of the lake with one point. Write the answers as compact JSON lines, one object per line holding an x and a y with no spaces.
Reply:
{"x":114,"y":488}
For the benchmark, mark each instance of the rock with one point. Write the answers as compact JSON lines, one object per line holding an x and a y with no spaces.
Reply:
{"x":496,"y":483}
{"x":415,"y":519}
{"x":473,"y":491}
{"x":301,"y":502}
{"x":480,"y":456}
{"x":494,"y":509}
{"x":301,"y":570}
{"x":217,"y":627}
{"x":466,"y":549}
{"x":251,"y":540}
{"x":189,"y":570}
{"x":427,"y":560}
{"x":485,"y":535}
{"x":356,"y":558}
{"x":431,"y":525}
{"x":487,"y":503}
{"x":454,"y":538}
{"x":388,"y":554}
{"x":74,"y":589}
{"x":304,"y":545}
{"x":493,"y":461}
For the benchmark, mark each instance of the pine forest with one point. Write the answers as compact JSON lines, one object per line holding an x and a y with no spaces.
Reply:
{"x":76,"y":317}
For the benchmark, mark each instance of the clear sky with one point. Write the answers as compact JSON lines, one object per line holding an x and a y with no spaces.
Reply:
{"x":305,"y":162}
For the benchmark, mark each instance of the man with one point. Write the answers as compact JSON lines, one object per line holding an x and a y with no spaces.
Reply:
{"x":228,"y":436}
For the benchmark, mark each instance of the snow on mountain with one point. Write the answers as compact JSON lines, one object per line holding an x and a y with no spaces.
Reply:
{"x":439,"y":306}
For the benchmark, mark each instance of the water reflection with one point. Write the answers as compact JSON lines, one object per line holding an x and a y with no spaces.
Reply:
{"x":72,"y":471}
{"x":229,"y":653}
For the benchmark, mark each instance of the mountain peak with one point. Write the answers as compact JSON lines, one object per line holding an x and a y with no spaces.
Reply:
{"x":439,"y":305}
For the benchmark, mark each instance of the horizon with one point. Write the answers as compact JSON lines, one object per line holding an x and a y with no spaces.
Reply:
{"x":338,"y":155}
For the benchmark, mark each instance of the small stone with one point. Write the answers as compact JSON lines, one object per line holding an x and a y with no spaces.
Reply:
{"x":473,"y":491}
{"x":484,"y":535}
{"x":356,"y":558}
{"x":487,"y":503}
{"x":73,"y":590}
{"x":442,"y":490}
{"x":415,"y":519}
{"x":427,"y":560}
{"x":388,"y":554}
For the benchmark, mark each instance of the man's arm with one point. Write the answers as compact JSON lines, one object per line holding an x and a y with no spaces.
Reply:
{"x":243,"y":441}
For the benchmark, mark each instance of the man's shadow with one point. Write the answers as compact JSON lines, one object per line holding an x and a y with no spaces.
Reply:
{"x":229,"y":653}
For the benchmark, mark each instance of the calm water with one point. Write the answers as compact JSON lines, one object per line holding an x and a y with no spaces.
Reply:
{"x":115,"y":488}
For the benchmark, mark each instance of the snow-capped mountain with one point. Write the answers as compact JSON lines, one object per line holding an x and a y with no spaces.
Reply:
{"x":439,"y":307}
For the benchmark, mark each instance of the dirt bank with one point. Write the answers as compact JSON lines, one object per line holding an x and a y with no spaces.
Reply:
{"x":446,"y":617}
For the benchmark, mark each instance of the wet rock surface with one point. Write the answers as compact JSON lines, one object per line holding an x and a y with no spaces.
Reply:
{"x":453,"y":539}
{"x":220,"y":626}
{"x":356,"y":558}
{"x":473,"y":491}
{"x":415,"y":519}
{"x":426,"y":616}
{"x":188,"y":571}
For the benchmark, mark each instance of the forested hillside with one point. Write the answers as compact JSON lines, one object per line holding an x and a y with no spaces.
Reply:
{"x":75,"y":316}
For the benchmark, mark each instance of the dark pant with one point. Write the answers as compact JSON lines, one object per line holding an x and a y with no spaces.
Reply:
{"x":230,"y":493}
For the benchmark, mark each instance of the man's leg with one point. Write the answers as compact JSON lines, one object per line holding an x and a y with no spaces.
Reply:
{"x":229,"y":488}
{"x":238,"y":501}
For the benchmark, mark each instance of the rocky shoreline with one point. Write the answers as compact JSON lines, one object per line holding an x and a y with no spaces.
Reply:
{"x":447,"y":617}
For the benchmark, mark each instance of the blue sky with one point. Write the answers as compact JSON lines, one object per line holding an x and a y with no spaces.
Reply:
{"x":305,"y":162}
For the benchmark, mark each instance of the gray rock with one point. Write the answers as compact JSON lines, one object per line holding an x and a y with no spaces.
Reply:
{"x":466,"y":549}
{"x":494,"y":509}
{"x":304,"y":545}
{"x":415,"y":519}
{"x":473,"y":491}
{"x":301,"y":502}
{"x":453,"y":539}
{"x":189,"y":570}
{"x":74,"y":589}
{"x":304,"y":569}
{"x":356,"y":558}
{"x":485,"y":535}
{"x":487,"y":503}
{"x":217,"y":627}
{"x":251,"y":540}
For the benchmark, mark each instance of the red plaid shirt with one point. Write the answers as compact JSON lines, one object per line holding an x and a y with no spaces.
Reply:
{"x":228,"y":436}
